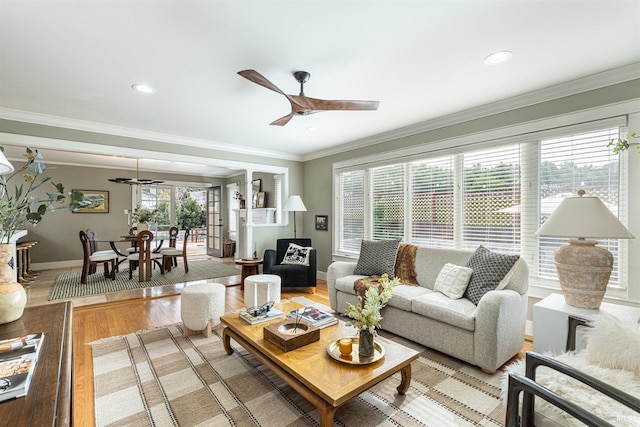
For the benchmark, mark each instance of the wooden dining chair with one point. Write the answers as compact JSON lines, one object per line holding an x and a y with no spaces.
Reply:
{"x":170,"y":255}
{"x":173,"y":238}
{"x":92,"y":235}
{"x":96,"y":258}
{"x":133,"y":231}
{"x":144,"y":257}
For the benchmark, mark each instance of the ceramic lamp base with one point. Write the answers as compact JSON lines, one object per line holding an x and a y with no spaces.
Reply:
{"x":583,"y":270}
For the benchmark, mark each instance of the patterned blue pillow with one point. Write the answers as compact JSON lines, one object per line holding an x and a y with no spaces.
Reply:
{"x":377,"y":257}
{"x":489,"y":268}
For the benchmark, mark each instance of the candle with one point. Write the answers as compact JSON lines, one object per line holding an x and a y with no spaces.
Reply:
{"x":269,"y":292}
{"x":255,"y":294}
{"x":345,"y":346}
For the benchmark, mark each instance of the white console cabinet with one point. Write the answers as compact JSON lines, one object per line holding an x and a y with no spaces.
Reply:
{"x":550,"y":321}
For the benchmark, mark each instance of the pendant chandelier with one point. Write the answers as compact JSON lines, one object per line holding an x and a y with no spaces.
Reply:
{"x":136,"y":180}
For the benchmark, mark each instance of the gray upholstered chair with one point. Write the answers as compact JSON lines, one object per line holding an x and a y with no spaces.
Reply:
{"x":293,"y":276}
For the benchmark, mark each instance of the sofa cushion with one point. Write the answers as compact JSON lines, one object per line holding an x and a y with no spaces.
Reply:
{"x":456,"y":312}
{"x":403,"y":296}
{"x":489,"y":268}
{"x":377,"y":257}
{"x":297,"y":255}
{"x":453,"y":280}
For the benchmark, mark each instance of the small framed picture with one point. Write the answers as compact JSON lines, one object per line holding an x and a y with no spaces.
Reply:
{"x":322,"y":222}
{"x":261,"y":200}
{"x":99,"y":201}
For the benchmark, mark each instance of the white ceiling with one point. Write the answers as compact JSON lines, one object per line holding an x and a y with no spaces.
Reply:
{"x":72,"y":63}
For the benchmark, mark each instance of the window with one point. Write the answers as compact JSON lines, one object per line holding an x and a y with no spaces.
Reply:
{"x":497,"y":195}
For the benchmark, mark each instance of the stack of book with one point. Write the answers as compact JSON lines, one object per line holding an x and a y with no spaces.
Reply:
{"x":18,"y":358}
{"x":274,"y":313}
{"x":318,"y":318}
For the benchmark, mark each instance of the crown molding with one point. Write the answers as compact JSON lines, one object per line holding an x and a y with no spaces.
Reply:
{"x":102,"y":128}
{"x":573,"y":87}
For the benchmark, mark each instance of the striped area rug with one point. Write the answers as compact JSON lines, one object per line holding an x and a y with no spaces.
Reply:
{"x":67,"y":285}
{"x":160,"y":378}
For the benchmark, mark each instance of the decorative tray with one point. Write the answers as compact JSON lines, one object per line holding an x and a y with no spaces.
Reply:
{"x":354,"y":359}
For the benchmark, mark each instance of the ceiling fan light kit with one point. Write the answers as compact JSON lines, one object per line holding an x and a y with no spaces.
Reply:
{"x":302,"y":105}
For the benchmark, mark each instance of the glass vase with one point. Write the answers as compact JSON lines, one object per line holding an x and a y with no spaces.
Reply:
{"x":365,"y":343}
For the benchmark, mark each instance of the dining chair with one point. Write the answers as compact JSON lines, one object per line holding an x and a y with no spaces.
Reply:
{"x":96,"y":258}
{"x":170,"y":255}
{"x":133,"y":231}
{"x":173,"y":237}
{"x":92,"y":235}
{"x":143,"y":258}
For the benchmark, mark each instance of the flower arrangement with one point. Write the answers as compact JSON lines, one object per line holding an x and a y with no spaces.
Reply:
{"x":366,"y":315}
{"x":20,"y":208}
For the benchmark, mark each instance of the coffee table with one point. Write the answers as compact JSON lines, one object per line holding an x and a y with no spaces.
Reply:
{"x":325,"y":382}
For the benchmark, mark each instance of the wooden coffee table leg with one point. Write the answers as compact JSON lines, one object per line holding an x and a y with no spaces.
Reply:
{"x":326,"y":413}
{"x":406,"y":379}
{"x":226,"y":341}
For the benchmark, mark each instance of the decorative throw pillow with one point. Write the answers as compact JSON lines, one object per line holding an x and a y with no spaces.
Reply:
{"x":297,"y":255}
{"x":453,"y":280}
{"x":377,"y":257}
{"x":405,"y":268}
{"x":609,"y":333}
{"x":489,"y":268}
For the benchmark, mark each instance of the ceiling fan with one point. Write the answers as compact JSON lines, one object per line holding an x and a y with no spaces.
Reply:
{"x":302,"y":105}
{"x":137,"y":180}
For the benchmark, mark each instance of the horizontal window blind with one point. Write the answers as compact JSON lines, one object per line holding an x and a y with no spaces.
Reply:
{"x":351,"y":201}
{"x":491,"y":196}
{"x":432,"y":197}
{"x":568,"y":164}
{"x":388,"y":197}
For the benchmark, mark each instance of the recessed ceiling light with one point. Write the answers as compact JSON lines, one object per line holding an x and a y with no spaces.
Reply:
{"x":141,"y":87}
{"x":312,"y":129}
{"x":498,"y":57}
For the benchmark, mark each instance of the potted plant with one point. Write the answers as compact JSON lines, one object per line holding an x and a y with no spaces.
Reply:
{"x":366,"y":315}
{"x":19,"y":209}
{"x":142,"y":216}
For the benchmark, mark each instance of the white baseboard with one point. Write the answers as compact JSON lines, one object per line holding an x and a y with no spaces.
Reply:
{"x":57,"y":264}
{"x":322,"y":275}
{"x":528,"y":329}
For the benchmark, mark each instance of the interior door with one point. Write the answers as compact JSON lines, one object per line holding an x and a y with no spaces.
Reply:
{"x":214,"y":221}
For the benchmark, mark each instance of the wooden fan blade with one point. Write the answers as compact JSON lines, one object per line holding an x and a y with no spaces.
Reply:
{"x":257,"y":78}
{"x":282,"y":120}
{"x":324,"y":104}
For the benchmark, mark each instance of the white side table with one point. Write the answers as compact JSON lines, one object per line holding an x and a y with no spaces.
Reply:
{"x":550,"y":321}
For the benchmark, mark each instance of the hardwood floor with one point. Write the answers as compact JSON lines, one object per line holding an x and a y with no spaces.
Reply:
{"x":122,"y":313}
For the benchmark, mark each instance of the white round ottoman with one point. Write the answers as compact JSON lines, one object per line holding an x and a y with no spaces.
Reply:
{"x":260,"y":289}
{"x":201,"y":306}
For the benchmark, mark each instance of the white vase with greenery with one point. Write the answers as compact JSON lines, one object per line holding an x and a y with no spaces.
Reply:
{"x":20,"y":209}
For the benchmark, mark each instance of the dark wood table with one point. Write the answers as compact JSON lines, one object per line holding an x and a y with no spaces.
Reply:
{"x":249,"y":267}
{"x":48,"y":402}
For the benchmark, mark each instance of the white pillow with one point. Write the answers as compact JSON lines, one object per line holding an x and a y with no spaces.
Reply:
{"x":297,"y":255}
{"x":614,"y":343}
{"x":453,"y":280}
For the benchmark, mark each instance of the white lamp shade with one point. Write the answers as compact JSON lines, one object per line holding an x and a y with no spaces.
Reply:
{"x":584,"y":217}
{"x":294,"y":204}
{"x":5,"y":166}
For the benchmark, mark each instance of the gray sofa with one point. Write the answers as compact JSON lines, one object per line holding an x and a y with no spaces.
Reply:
{"x":486,"y":335}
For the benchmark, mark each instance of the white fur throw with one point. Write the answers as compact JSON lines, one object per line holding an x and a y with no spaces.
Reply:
{"x":614,"y":343}
{"x":579,"y":393}
{"x":612,"y":355}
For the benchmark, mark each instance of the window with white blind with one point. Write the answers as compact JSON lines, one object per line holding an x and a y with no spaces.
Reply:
{"x":497,"y":196}
{"x":350,"y":202}
{"x":432,"y":197}
{"x":387,"y":195}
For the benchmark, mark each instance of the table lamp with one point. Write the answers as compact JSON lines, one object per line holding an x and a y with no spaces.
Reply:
{"x":583,"y":268}
{"x":294,"y":204}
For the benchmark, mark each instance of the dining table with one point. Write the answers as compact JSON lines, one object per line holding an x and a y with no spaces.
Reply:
{"x":158,"y":237}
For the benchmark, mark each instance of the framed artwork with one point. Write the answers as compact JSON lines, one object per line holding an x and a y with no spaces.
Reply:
{"x":322,"y":222}
{"x":99,"y":201}
{"x":261,"y":200}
